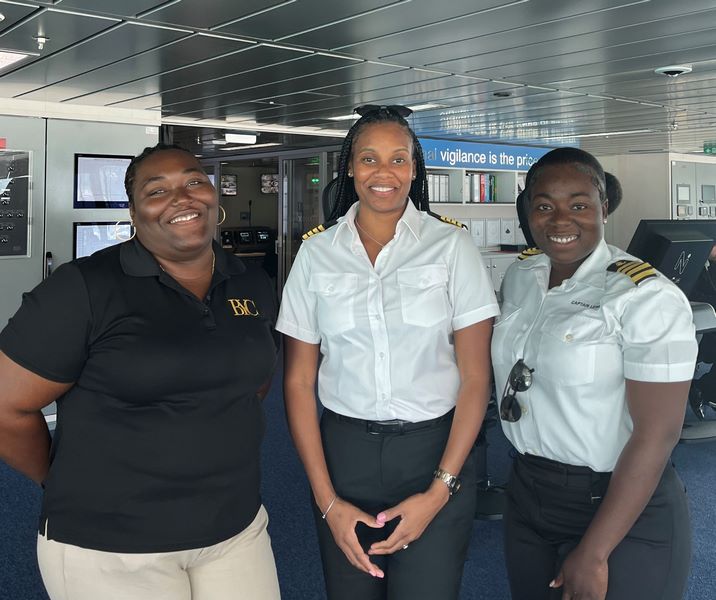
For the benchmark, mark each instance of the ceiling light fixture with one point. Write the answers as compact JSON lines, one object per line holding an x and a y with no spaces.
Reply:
{"x":593,"y":135}
{"x":41,"y":41}
{"x":674,"y":70}
{"x":252,"y":125}
{"x":266,"y":145}
{"x":240,"y":138}
{"x":10,"y":58}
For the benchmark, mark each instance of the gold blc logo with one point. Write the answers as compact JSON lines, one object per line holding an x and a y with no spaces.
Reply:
{"x":244,"y":307}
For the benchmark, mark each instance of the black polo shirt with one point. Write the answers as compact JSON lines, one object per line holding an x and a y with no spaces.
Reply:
{"x":157,"y":443}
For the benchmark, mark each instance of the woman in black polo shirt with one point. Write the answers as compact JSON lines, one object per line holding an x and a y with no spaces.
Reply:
{"x":157,"y":352}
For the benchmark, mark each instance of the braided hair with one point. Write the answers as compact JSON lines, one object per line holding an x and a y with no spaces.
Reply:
{"x":346,"y":194}
{"x":614,"y":192}
{"x":131,"y":172}
{"x":580,"y":159}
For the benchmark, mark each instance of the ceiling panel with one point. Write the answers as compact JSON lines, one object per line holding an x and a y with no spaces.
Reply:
{"x":589,"y":63}
{"x":419,"y":16}
{"x":213,"y":14}
{"x":213,"y":77}
{"x":62,"y":30}
{"x":532,"y":21}
{"x":113,"y":46}
{"x":302,"y":75}
{"x":294,"y":17}
{"x":136,"y":75}
{"x":13,"y":13}
{"x":127,"y":8}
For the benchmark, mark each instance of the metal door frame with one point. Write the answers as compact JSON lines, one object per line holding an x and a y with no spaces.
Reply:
{"x":283,"y":194}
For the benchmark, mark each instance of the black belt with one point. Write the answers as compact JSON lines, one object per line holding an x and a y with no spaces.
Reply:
{"x":393,"y":426}
{"x":559,"y":473}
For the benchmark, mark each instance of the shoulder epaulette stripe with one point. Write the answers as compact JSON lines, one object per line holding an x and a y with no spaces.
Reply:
{"x":635,"y":270}
{"x":317,"y":229}
{"x":448,"y":220}
{"x":527,"y":252}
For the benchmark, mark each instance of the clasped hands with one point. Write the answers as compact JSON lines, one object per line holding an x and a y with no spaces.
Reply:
{"x":415,"y":513}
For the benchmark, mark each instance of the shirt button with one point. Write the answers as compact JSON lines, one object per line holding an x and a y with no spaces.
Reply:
{"x":569,"y":337}
{"x":329,"y":289}
{"x":382,"y":355}
{"x":525,"y":410}
{"x":424,"y":281}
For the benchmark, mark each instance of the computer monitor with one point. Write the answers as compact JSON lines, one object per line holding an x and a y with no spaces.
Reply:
{"x":88,"y":237}
{"x":679,"y":249}
{"x":245,"y":237}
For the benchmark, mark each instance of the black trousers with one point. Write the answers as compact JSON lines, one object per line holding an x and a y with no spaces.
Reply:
{"x":549,"y":507}
{"x":377,"y":471}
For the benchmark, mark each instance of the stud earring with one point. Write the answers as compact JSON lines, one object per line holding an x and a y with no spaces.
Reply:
{"x":604,"y":221}
{"x":350,"y":173}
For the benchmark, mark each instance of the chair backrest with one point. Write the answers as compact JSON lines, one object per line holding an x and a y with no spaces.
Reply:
{"x":328,"y":198}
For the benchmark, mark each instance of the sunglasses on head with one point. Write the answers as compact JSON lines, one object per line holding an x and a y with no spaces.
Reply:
{"x":396,"y":109}
{"x":519,"y":380}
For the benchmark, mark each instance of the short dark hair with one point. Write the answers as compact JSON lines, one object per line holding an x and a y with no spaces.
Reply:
{"x":614,"y":192}
{"x":346,"y":194}
{"x":580,"y":159}
{"x":131,"y":172}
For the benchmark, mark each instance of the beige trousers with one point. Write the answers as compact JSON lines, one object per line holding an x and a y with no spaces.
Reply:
{"x":240,"y":568}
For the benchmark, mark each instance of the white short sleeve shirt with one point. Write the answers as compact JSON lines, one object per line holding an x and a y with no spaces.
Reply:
{"x":583,"y":339}
{"x":386,"y":330}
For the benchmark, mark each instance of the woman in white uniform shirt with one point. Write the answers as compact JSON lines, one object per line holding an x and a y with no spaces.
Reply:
{"x":398,"y":307}
{"x":595,"y":351}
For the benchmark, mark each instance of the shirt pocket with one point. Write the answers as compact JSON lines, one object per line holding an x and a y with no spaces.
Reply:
{"x":335,"y":294}
{"x":567,"y":351}
{"x":424,"y":295}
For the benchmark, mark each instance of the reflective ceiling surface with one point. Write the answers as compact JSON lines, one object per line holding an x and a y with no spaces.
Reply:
{"x":523,"y":71}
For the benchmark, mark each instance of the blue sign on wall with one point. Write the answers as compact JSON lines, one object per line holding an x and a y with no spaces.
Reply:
{"x":485,"y":157}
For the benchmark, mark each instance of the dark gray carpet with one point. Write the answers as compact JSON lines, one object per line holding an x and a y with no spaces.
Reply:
{"x":286,"y":496}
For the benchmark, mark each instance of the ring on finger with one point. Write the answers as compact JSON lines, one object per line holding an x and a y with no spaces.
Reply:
{"x":405,"y":546}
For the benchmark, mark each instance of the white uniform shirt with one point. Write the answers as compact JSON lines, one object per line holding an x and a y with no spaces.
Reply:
{"x":583,"y":339}
{"x":386,"y":331}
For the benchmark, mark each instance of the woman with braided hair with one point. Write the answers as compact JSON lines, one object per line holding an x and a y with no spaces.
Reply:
{"x":388,"y":308}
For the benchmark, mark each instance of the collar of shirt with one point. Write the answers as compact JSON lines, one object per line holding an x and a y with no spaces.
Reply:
{"x":137,"y":261}
{"x":410,"y":220}
{"x":592,"y":272}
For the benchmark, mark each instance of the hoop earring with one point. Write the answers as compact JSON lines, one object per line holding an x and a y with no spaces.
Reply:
{"x":222,"y":218}
{"x":119,"y":237}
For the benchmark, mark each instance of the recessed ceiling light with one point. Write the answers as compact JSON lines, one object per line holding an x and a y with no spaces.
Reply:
{"x":10,"y":58}
{"x":240,"y":138}
{"x":266,"y":145}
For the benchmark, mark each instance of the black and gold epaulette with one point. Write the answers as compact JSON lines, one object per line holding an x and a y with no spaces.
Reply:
{"x":447,"y":220}
{"x":527,"y":252}
{"x":317,"y":229}
{"x":635,"y":270}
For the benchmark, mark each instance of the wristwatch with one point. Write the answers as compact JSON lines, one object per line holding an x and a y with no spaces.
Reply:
{"x":452,"y":482}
